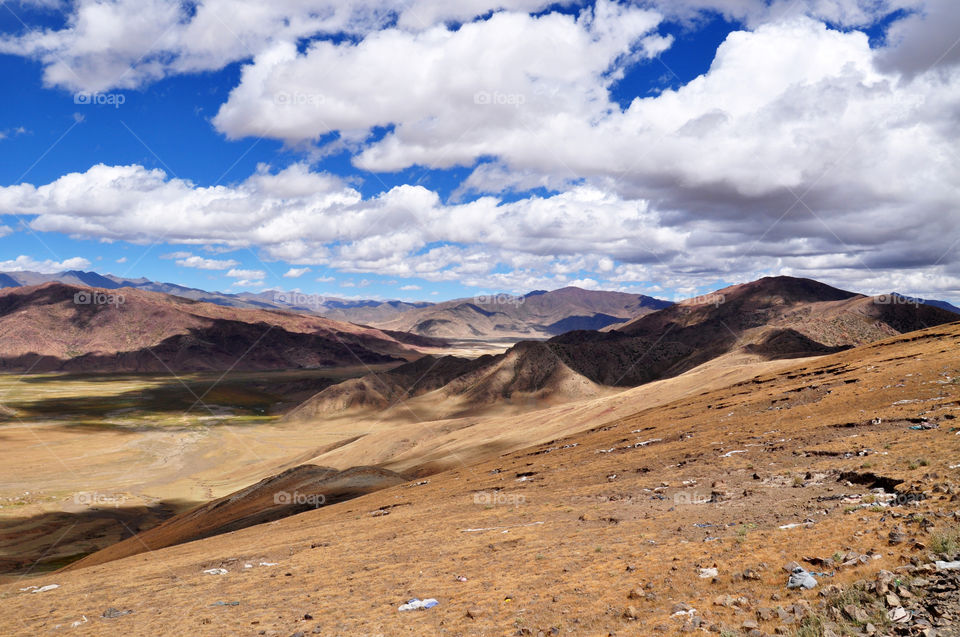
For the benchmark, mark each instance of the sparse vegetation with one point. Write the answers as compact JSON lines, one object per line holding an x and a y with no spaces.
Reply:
{"x":945,"y":541}
{"x":811,"y":626}
{"x":814,"y":624}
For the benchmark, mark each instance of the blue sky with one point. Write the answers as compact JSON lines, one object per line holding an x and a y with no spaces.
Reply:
{"x":416,"y":150}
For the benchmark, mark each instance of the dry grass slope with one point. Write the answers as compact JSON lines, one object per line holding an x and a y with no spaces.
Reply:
{"x":602,"y":531}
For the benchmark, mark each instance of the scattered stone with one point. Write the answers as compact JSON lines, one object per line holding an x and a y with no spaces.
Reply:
{"x":723,"y":600}
{"x":474,"y":613}
{"x":113,"y":613}
{"x":947,"y":566}
{"x":856,"y":613}
{"x":631,"y":613}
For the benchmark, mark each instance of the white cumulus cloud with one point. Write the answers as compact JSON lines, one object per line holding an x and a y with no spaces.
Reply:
{"x":24,"y":263}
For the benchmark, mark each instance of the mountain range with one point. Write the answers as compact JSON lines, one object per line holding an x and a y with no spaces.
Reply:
{"x":769,"y":319}
{"x":536,"y":315}
{"x":62,"y":327}
{"x":539,"y":314}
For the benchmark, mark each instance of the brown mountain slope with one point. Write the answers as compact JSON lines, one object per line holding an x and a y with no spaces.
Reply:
{"x":375,"y":392}
{"x":778,"y":317}
{"x":44,"y":328}
{"x":603,"y":531}
{"x":773,"y":318}
{"x":534,"y":315}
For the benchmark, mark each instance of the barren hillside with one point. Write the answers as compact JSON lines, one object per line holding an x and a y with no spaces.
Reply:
{"x":845,"y":465}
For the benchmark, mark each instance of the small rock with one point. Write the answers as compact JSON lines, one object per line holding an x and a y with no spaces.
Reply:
{"x":113,"y":613}
{"x":896,"y":536}
{"x":631,"y":613}
{"x":856,"y":613}
{"x":723,"y":600}
{"x":474,"y":613}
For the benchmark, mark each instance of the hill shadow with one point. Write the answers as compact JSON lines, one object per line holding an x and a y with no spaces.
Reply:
{"x":50,"y":541}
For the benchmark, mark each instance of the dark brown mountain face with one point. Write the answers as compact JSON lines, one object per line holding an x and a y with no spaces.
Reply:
{"x":381,"y":390}
{"x":774,"y":317}
{"x":54,"y":327}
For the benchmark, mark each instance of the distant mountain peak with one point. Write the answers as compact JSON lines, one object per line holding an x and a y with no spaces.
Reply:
{"x":943,"y":305}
